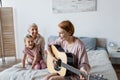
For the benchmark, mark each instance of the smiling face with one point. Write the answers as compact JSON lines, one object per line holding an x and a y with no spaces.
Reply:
{"x":63,"y":34}
{"x":33,"y":31}
{"x":65,"y":30}
{"x":29,"y":42}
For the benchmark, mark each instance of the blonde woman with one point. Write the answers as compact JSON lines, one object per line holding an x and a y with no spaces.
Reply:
{"x":37,"y":37}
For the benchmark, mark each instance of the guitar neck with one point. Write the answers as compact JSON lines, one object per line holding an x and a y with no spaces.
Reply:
{"x":74,"y":70}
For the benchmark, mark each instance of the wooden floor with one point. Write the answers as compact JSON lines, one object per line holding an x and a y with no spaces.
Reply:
{"x":117,"y":69}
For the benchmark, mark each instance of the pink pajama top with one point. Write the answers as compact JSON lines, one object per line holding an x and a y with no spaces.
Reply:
{"x":40,"y":41}
{"x":32,"y":52}
{"x":78,"y":50}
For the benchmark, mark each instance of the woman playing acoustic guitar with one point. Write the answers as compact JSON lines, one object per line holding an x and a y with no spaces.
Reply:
{"x":70,"y":44}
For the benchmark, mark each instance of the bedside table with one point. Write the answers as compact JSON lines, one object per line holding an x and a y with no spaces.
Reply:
{"x":114,"y":56}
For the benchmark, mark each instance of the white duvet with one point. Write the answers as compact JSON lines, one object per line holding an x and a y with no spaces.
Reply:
{"x":100,"y":64}
{"x":16,"y":72}
{"x":98,"y":60}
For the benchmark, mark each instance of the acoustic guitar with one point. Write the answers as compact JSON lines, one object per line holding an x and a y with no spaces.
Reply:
{"x":65,"y":64}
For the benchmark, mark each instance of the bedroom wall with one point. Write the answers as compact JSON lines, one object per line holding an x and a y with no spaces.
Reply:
{"x":105,"y":22}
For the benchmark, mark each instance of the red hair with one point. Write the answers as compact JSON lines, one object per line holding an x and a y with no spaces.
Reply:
{"x":67,"y":26}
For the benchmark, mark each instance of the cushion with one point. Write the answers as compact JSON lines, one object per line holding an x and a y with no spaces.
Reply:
{"x":52,"y":38}
{"x":90,"y":43}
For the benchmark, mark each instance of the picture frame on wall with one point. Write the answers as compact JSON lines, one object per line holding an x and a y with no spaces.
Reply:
{"x":73,"y":6}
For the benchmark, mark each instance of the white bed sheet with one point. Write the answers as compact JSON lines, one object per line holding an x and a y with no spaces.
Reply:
{"x":99,"y":61}
{"x":16,"y":72}
{"x":100,"y":64}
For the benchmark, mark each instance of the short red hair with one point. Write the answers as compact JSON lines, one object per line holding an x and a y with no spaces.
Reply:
{"x":67,"y":26}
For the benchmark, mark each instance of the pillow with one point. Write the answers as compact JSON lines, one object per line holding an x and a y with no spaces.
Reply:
{"x":90,"y":43}
{"x":52,"y":38}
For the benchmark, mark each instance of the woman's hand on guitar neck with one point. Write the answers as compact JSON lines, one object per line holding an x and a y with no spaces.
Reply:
{"x":81,"y":76}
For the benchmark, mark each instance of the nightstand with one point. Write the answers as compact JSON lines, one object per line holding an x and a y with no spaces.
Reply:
{"x":114,"y":56}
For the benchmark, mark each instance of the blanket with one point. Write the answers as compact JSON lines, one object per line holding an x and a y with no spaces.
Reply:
{"x":98,"y":59}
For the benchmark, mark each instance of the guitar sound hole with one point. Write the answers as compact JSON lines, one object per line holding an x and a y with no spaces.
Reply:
{"x":57,"y":65}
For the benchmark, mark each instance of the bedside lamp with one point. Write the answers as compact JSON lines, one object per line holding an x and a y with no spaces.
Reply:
{"x":113,"y":46}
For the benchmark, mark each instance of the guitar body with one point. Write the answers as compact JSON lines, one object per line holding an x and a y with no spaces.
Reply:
{"x":66,"y":58}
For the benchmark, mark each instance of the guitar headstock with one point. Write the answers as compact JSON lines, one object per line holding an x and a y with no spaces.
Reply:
{"x":97,"y":77}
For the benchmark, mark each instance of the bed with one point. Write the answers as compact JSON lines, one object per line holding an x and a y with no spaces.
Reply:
{"x":97,"y":55}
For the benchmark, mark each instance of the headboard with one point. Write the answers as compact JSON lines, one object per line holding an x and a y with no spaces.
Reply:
{"x":101,"y":42}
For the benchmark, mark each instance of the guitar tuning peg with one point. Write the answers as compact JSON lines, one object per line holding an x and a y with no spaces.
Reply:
{"x":101,"y":75}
